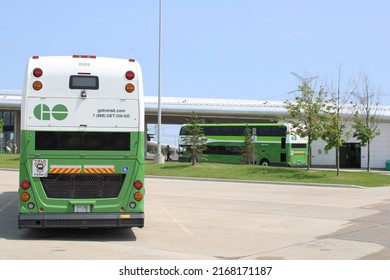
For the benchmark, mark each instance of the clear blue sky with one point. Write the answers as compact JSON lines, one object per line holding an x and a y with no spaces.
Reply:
{"x":211,"y":48}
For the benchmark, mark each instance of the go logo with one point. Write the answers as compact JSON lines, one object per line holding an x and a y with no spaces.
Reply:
{"x":43,"y":112}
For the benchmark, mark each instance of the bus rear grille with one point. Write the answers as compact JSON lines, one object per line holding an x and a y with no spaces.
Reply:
{"x":82,"y":186}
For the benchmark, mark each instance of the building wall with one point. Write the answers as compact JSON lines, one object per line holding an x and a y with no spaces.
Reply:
{"x":320,"y":157}
{"x":380,"y":148}
{"x":380,"y":151}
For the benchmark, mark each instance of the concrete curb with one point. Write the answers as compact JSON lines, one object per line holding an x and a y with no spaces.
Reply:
{"x":9,"y":169}
{"x":254,"y":182}
{"x":239,"y":181}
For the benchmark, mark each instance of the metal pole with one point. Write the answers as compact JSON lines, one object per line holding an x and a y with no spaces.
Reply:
{"x":159,"y":157}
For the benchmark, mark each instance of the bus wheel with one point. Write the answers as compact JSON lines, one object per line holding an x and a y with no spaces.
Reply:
{"x":264,"y":162}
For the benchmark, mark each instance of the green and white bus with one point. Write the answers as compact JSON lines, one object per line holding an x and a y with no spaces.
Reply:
{"x":82,"y":143}
{"x":276,"y":144}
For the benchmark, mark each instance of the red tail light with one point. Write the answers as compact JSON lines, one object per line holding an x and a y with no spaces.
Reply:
{"x":138,"y":185}
{"x":130,"y":75}
{"x":25,"y":185}
{"x":37,"y":72}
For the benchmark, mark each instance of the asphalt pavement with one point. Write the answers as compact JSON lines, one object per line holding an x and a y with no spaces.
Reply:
{"x":194,"y":219}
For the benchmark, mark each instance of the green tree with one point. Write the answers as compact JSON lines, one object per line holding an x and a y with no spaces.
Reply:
{"x":335,"y":130}
{"x":248,"y":150}
{"x":308,"y":113}
{"x":194,"y":140}
{"x":366,"y":120}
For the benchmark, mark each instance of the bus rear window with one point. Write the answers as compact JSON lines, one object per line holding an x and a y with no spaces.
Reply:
{"x":77,"y":141}
{"x":83,"y":82}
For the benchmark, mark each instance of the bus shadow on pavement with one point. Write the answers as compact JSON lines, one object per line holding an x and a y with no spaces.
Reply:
{"x":9,"y":227}
{"x":373,"y":228}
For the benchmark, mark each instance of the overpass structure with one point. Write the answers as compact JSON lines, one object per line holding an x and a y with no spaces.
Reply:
{"x":176,"y":110}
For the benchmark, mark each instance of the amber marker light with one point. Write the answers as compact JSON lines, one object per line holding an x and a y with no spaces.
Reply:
{"x":37,"y":85}
{"x":24,"y":197}
{"x":138,"y":196}
{"x":129,"y":88}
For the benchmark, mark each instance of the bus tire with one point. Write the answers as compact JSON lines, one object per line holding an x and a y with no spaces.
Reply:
{"x":264,"y":162}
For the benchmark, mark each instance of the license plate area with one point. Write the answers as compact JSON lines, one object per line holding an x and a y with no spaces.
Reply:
{"x":82,"y":208}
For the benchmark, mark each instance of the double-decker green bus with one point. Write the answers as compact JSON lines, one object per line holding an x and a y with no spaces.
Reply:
{"x":275,"y":143}
{"x":82,"y":143}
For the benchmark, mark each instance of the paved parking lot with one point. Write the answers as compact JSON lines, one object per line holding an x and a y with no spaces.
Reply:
{"x":191,"y":219}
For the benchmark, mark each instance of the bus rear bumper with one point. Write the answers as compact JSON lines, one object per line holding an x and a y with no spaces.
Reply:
{"x":85,"y":220}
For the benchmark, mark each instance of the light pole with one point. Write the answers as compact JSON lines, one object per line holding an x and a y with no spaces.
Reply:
{"x":159,"y":158}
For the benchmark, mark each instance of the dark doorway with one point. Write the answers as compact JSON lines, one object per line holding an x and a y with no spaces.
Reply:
{"x":350,"y":155}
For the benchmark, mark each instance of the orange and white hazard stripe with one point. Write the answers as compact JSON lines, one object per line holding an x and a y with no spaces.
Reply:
{"x":101,"y":169}
{"x":65,"y":169}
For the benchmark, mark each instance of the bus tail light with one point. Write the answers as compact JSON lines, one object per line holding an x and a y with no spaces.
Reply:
{"x":37,"y":72}
{"x":25,"y":185}
{"x":37,"y":85}
{"x":25,"y":197}
{"x":129,"y":88}
{"x":138,"y":184}
{"x":130,"y":75}
{"x":138,"y":196}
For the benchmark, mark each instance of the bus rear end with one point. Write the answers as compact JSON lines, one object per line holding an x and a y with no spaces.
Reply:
{"x":297,"y":148}
{"x":82,"y":144}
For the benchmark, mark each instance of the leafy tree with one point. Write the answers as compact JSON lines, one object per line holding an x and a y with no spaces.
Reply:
{"x":248,"y":150}
{"x":366,"y":120}
{"x":308,"y":113}
{"x":335,"y":127}
{"x":194,"y":140}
